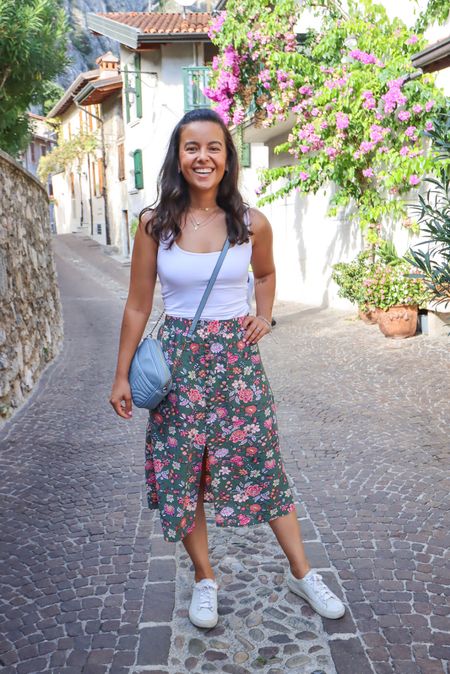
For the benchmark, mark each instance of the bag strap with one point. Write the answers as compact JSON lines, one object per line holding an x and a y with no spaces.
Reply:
{"x":209,"y":287}
{"x":150,"y":334}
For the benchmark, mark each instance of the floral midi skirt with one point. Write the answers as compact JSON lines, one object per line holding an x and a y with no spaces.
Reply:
{"x":220,"y":409}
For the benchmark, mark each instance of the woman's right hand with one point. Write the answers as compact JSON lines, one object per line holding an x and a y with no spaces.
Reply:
{"x":120,"y":397}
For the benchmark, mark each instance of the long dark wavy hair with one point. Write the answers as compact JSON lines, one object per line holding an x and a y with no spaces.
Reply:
{"x":173,"y":193}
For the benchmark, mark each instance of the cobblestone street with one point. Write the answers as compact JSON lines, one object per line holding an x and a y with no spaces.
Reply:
{"x":88,"y":584}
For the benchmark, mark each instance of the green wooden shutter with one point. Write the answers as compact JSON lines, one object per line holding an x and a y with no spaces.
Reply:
{"x":246,"y":158}
{"x":138,"y":84}
{"x":127,"y":95}
{"x":138,"y":173}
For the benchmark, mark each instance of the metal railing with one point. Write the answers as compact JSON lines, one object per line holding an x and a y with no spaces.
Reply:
{"x":195,"y":79}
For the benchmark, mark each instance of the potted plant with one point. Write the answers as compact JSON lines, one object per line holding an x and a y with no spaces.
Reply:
{"x":431,"y":257}
{"x":397,"y":294}
{"x":349,"y":276}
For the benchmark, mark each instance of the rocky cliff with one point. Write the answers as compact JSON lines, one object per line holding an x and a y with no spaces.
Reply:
{"x":84,"y":47}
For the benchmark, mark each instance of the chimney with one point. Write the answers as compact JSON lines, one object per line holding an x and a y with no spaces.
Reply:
{"x":108,"y":65}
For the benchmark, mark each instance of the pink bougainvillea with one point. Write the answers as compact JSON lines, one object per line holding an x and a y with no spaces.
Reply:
{"x":365,"y":58}
{"x":342,"y":120}
{"x":216,"y":25}
{"x":404,"y":115}
{"x":348,"y":90}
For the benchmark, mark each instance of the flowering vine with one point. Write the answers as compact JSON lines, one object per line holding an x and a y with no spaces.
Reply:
{"x":436,"y":11}
{"x":67,"y":153}
{"x":358,"y":111}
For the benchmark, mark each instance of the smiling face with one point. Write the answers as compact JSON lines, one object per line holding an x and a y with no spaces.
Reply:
{"x":202,"y":156}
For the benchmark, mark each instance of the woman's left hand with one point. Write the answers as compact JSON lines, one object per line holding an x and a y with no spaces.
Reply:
{"x":256,"y":327}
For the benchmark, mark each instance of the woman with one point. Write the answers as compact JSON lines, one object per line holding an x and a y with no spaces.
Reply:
{"x":214,"y":437}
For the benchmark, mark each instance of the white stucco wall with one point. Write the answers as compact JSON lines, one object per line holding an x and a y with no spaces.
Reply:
{"x":306,"y":241}
{"x":67,"y":209}
{"x":59,"y":192}
{"x":116,"y":189}
{"x":162,"y":108}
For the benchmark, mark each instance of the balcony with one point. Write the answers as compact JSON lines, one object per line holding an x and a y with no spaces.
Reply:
{"x":195,"y":79}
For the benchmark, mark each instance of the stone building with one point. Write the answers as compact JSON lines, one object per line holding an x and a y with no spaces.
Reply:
{"x":90,"y":193}
{"x":43,"y":140}
{"x":164,"y":61}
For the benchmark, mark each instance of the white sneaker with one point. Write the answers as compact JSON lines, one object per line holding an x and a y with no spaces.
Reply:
{"x":203,"y":608}
{"x":318,"y":595}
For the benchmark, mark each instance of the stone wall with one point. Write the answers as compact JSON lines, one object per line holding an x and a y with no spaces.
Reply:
{"x":31,"y":322}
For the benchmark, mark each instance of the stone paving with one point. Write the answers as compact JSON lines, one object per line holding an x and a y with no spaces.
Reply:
{"x":89,"y":586}
{"x":263,"y":627}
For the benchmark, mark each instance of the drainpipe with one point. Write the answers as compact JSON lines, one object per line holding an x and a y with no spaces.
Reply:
{"x":104,"y":190}
{"x":81,"y":194}
{"x":90,"y":195}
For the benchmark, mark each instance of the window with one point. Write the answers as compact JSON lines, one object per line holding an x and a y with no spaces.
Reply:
{"x":138,"y":174}
{"x":33,"y":153}
{"x":209,"y":51}
{"x":246,"y":157}
{"x":195,"y":79}
{"x":138,"y":85}
{"x":97,"y":169}
{"x":133,"y":90}
{"x":121,"y":161}
{"x":127,"y":95}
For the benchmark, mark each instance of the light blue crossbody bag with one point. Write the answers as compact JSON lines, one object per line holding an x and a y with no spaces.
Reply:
{"x":149,"y":375}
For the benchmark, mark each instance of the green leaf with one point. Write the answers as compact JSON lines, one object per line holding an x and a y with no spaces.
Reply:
{"x":33,"y":37}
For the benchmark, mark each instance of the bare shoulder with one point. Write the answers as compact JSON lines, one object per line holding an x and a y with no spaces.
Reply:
{"x":144,"y":232}
{"x":259,"y":224}
{"x":146,"y":218}
{"x":144,"y":243}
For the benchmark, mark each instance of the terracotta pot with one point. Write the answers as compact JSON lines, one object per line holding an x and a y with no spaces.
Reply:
{"x":398,"y":322}
{"x":369,"y":317}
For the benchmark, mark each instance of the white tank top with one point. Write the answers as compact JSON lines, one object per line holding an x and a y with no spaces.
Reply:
{"x":184,"y":276}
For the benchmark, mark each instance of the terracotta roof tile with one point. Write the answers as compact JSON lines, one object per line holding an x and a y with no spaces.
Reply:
{"x":162,"y":24}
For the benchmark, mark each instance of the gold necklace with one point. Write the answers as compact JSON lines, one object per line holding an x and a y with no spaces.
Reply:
{"x":197,"y":224}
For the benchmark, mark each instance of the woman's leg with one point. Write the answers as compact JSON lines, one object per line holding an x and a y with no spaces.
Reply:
{"x":196,"y":543}
{"x":287,"y":530}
